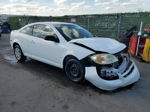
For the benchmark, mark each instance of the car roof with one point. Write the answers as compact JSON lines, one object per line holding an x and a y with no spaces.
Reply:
{"x":51,"y":23}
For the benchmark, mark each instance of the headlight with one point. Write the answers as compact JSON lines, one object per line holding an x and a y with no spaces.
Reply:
{"x":104,"y":59}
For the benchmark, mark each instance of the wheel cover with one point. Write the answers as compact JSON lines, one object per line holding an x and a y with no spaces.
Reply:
{"x":18,"y":53}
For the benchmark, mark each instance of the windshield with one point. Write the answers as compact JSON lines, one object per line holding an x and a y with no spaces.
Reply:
{"x":70,"y":31}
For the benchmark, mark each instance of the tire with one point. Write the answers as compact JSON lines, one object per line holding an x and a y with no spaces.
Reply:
{"x":19,"y":54}
{"x":75,"y":71}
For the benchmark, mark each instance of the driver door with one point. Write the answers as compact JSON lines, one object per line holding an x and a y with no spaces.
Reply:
{"x":43,"y":50}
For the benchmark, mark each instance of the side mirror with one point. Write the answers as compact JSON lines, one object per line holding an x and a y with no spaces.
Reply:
{"x":53,"y":38}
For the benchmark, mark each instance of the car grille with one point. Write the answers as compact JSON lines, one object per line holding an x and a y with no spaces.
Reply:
{"x":129,"y":72}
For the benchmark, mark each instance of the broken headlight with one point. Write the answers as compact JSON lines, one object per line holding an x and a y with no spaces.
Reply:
{"x":110,"y":72}
{"x":104,"y":59}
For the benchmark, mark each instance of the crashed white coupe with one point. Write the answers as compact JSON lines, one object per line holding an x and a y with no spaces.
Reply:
{"x":80,"y":54}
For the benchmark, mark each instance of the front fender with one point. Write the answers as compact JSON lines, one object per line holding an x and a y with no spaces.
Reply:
{"x":76,"y":51}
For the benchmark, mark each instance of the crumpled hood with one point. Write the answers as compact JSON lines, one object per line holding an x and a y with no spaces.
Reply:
{"x":101,"y":44}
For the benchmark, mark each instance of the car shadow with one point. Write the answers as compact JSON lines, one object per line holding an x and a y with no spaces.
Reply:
{"x":51,"y":73}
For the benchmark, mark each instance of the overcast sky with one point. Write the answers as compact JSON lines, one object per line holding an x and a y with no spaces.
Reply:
{"x":71,"y":7}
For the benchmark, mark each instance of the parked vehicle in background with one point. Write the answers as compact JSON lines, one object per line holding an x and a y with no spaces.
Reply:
{"x":79,"y":53}
{"x":6,"y":27}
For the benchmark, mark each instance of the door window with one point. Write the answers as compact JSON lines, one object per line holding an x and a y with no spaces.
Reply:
{"x":42,"y":31}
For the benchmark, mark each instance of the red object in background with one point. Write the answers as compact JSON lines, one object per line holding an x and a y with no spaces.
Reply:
{"x":147,"y":29}
{"x":133,"y":44}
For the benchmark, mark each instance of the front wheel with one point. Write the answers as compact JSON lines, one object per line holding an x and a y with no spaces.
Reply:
{"x":75,"y":71}
{"x":19,"y":54}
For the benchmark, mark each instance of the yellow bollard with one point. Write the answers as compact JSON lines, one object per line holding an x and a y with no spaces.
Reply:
{"x":146,"y":52}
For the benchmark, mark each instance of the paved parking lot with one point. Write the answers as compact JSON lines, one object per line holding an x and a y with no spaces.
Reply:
{"x":38,"y":87}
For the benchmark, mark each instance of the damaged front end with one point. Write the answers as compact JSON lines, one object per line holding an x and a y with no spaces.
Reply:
{"x":116,"y":70}
{"x":119,"y":70}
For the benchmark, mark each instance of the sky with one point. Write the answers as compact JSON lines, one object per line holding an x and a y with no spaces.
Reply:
{"x":71,"y":7}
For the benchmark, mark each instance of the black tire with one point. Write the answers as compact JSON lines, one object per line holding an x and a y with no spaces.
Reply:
{"x":19,"y":54}
{"x":75,"y":71}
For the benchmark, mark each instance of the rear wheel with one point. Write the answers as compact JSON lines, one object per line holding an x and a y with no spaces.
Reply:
{"x":75,"y":71}
{"x":18,"y":53}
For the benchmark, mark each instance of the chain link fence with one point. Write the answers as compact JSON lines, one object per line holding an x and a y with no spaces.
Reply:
{"x":110,"y":25}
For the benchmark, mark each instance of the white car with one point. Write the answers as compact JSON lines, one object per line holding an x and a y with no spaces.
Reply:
{"x":80,"y":54}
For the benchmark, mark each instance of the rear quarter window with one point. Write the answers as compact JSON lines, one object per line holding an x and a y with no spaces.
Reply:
{"x":27,"y":30}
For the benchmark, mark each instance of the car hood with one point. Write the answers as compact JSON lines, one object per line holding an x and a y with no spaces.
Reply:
{"x":100,"y":44}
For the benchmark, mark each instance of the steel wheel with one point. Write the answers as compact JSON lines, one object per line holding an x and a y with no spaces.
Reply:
{"x":74,"y":70}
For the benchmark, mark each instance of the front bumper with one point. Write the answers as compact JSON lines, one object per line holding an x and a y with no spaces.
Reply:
{"x":125,"y":79}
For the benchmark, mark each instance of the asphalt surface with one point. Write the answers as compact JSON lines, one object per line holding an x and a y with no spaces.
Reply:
{"x":37,"y":87}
